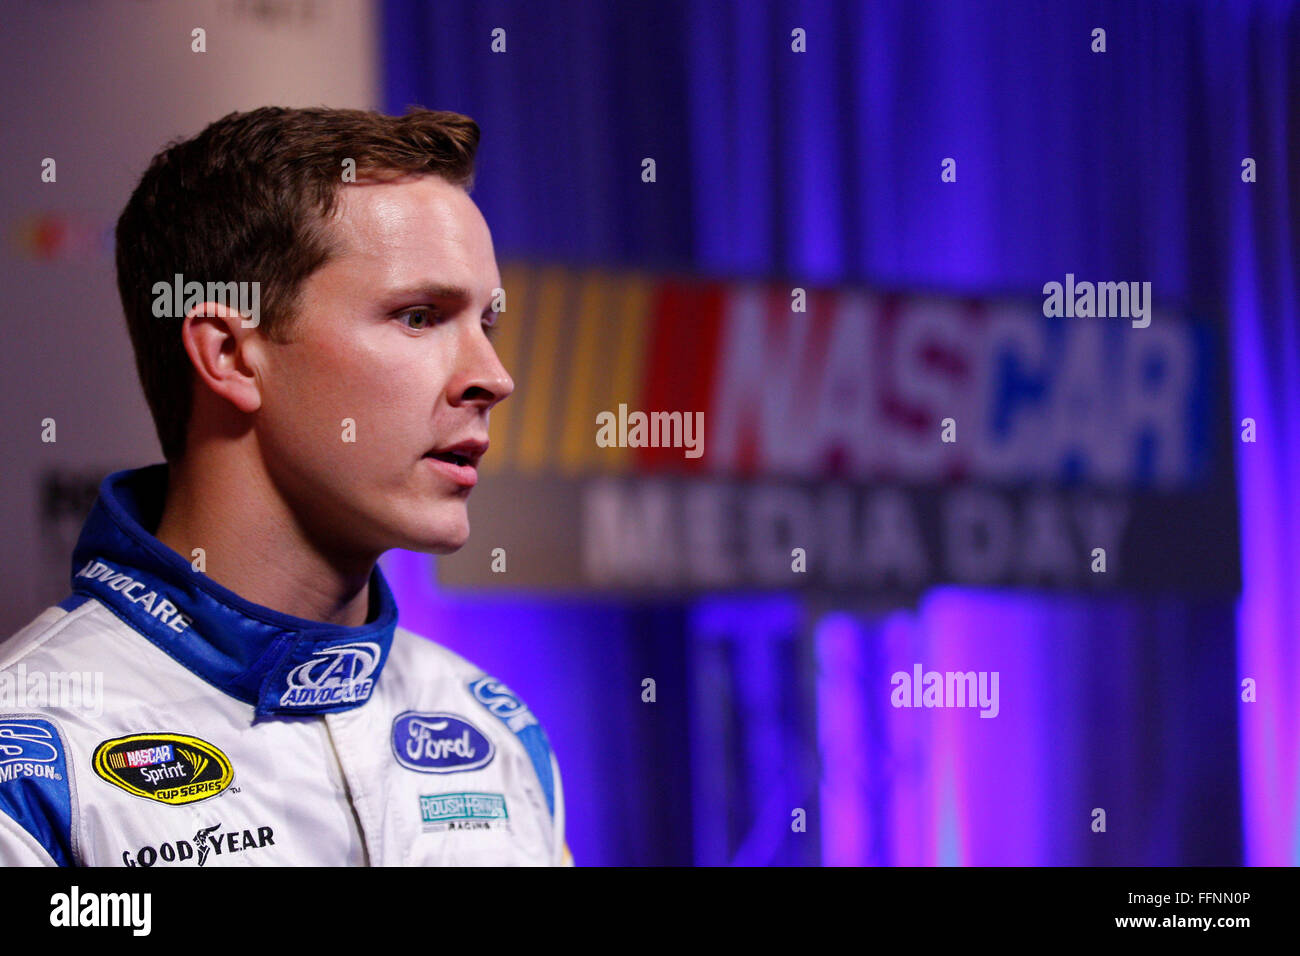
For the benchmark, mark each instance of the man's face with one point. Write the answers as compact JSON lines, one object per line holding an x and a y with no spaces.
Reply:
{"x":385,"y":353}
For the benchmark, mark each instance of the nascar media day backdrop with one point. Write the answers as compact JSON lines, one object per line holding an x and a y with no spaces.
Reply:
{"x":670,"y":434}
{"x":771,"y":504}
{"x":806,"y":533}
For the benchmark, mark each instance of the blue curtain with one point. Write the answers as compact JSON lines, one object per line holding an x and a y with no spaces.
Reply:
{"x":824,"y":165}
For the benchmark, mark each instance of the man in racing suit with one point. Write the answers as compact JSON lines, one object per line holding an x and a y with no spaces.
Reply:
{"x":231,"y":734}
{"x":260,"y":705}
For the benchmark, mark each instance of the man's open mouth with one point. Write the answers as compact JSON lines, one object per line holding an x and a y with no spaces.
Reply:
{"x":449,"y":456}
{"x":463,"y":454}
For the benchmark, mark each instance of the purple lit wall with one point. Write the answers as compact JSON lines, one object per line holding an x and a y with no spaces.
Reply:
{"x":1255,"y":89}
{"x":825,"y":166}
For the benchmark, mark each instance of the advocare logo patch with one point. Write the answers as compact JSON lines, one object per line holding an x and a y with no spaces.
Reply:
{"x":336,"y":675}
{"x":170,"y":768}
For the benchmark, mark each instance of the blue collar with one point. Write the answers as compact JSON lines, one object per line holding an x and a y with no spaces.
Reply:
{"x":282,"y":665}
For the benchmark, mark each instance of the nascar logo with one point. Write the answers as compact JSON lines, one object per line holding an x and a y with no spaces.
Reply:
{"x":141,"y":758}
{"x":169,"y":768}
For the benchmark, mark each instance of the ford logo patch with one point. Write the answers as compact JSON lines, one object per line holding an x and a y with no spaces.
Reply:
{"x":439,"y":743}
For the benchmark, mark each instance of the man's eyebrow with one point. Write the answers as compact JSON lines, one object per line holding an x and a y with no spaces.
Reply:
{"x":435,"y":290}
{"x":432,"y":290}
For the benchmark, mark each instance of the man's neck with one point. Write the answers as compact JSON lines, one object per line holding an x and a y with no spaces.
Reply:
{"x":253,"y":545}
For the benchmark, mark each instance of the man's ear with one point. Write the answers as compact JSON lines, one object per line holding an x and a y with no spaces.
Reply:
{"x":225,"y":354}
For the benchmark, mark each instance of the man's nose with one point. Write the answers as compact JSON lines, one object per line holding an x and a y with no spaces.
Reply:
{"x":481,"y":377}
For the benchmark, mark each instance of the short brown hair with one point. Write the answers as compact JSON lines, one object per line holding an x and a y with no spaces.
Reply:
{"x":246,"y":200}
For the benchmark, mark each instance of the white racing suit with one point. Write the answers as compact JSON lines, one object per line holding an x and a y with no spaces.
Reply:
{"x":230,"y":734}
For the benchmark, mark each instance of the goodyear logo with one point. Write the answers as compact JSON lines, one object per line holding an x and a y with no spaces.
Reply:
{"x":169,"y":768}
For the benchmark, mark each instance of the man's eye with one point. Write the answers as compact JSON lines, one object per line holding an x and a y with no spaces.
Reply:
{"x":418,"y":319}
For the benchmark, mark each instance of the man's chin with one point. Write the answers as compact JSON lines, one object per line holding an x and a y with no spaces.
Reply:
{"x":442,"y":548}
{"x":443,"y":540}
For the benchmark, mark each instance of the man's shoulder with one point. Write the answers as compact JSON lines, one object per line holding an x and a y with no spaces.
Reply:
{"x":48,"y":694}
{"x":71,"y":658}
{"x":426,"y":671}
{"x":57,"y":631}
{"x":420,"y":665}
{"x":411,"y":648}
